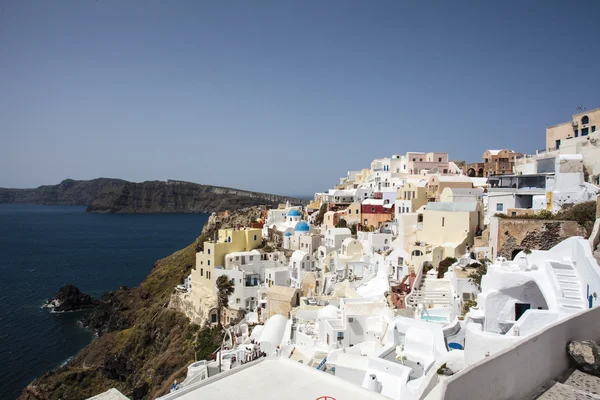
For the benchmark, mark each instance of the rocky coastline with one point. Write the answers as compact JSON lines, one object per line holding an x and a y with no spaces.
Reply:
{"x":141,"y":343}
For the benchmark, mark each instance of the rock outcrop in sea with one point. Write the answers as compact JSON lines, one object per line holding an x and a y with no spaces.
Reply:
{"x":70,"y":298}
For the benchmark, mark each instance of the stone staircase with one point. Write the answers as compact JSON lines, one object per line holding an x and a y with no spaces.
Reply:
{"x":570,"y":296}
{"x":577,"y":386}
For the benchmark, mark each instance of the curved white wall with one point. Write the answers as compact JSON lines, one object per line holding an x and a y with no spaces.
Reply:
{"x":272,"y":334}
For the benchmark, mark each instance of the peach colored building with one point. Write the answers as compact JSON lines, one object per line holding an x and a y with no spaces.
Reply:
{"x":437,"y":183}
{"x":581,"y":124}
{"x":499,"y":162}
{"x":375,"y":212}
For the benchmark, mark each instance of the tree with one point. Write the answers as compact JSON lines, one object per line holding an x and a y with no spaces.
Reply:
{"x":353,"y":229}
{"x":225,"y":288}
{"x":341,"y":223}
{"x":321,"y":214}
{"x":480,"y":271}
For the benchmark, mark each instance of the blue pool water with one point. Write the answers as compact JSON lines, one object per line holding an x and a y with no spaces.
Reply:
{"x":44,"y":247}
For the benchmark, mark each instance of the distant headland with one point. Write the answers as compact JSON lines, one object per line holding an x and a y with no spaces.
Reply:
{"x":108,"y":195}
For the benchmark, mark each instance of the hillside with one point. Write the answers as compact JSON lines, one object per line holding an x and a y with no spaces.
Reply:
{"x":108,"y":195}
{"x":142,"y":345}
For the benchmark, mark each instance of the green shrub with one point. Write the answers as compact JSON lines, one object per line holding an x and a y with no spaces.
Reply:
{"x":467,"y":306}
{"x":444,"y":265}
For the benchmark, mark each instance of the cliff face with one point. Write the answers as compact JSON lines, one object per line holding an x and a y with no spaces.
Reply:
{"x":142,"y":345}
{"x":119,"y":196}
{"x":68,"y":192}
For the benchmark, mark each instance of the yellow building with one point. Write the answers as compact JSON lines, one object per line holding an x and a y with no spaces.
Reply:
{"x":229,"y":241}
{"x":447,"y":229}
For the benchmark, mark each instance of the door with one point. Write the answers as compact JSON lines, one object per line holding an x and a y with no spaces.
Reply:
{"x":520,"y":309}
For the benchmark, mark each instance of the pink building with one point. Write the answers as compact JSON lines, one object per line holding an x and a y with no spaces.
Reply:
{"x":434,"y":162}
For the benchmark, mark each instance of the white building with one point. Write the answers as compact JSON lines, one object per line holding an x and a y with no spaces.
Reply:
{"x":519,"y":298}
{"x":247,"y":271}
{"x":283,"y":220}
{"x":334,"y":237}
{"x":561,"y":183}
{"x":301,"y":262}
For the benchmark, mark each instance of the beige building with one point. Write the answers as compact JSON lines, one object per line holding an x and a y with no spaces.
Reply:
{"x":437,"y":183}
{"x":352,"y":214}
{"x":281,"y":300}
{"x":457,"y":195}
{"x":582,"y":124}
{"x":447,"y":229}
{"x":203,"y":279}
{"x":410,"y":197}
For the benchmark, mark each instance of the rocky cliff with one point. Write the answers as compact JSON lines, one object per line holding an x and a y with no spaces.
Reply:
{"x":118,"y":196}
{"x":142,"y":345}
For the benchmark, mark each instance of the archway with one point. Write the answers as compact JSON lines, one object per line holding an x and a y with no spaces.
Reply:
{"x":515,"y":252}
{"x":471,"y":172}
{"x":480,"y":173}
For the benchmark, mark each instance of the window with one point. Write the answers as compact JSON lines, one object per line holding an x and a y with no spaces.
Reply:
{"x":251,"y":258}
{"x":357,"y":210}
{"x":584,"y":131}
{"x":209,"y":263}
{"x":585,"y":120}
{"x":445,"y":170}
{"x":208,"y":251}
{"x":404,"y":166}
{"x":499,"y":207}
{"x":514,"y":213}
{"x":201,"y":271}
{"x":593,"y":128}
{"x":420,"y":159}
{"x":372,"y":209}
{"x":443,"y":220}
{"x":558,"y":141}
{"x":254,"y":237}
{"x":213,"y":318}
{"x":414,"y":159}
{"x":385,"y":241}
{"x":439,"y":159}
{"x":237,"y":301}
{"x":576,"y":132}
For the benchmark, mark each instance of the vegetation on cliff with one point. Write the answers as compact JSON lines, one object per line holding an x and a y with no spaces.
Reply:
{"x":142,"y":345}
{"x":582,"y":213}
{"x":118,"y":196}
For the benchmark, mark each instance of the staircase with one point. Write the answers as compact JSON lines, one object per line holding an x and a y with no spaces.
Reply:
{"x":570,"y":296}
{"x":578,"y":385}
{"x":426,"y":295}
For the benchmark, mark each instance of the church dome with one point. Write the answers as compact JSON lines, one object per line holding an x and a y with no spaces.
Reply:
{"x":302,"y":226}
{"x":293,"y":213}
{"x":288,"y":234}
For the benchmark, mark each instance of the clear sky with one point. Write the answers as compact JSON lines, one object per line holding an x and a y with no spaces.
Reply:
{"x":281,"y":96}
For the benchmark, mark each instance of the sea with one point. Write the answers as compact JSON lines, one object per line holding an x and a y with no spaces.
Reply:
{"x":44,"y":247}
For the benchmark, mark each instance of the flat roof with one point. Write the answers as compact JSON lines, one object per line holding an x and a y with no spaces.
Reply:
{"x":274,"y":379}
{"x":110,"y":394}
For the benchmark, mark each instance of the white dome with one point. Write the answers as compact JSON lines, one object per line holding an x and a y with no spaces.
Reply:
{"x":328,"y":312}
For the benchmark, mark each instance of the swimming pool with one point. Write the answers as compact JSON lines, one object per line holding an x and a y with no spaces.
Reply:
{"x":434,"y":318}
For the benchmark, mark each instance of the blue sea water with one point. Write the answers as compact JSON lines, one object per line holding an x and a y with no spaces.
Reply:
{"x":44,"y":247}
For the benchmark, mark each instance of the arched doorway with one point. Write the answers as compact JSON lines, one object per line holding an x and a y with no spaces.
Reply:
{"x":515,"y":252}
{"x":471,"y":172}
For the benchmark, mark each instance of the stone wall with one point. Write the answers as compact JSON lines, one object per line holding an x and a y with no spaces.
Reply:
{"x":520,"y":234}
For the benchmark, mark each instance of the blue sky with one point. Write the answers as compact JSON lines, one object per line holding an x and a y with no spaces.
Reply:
{"x":280,"y":96}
